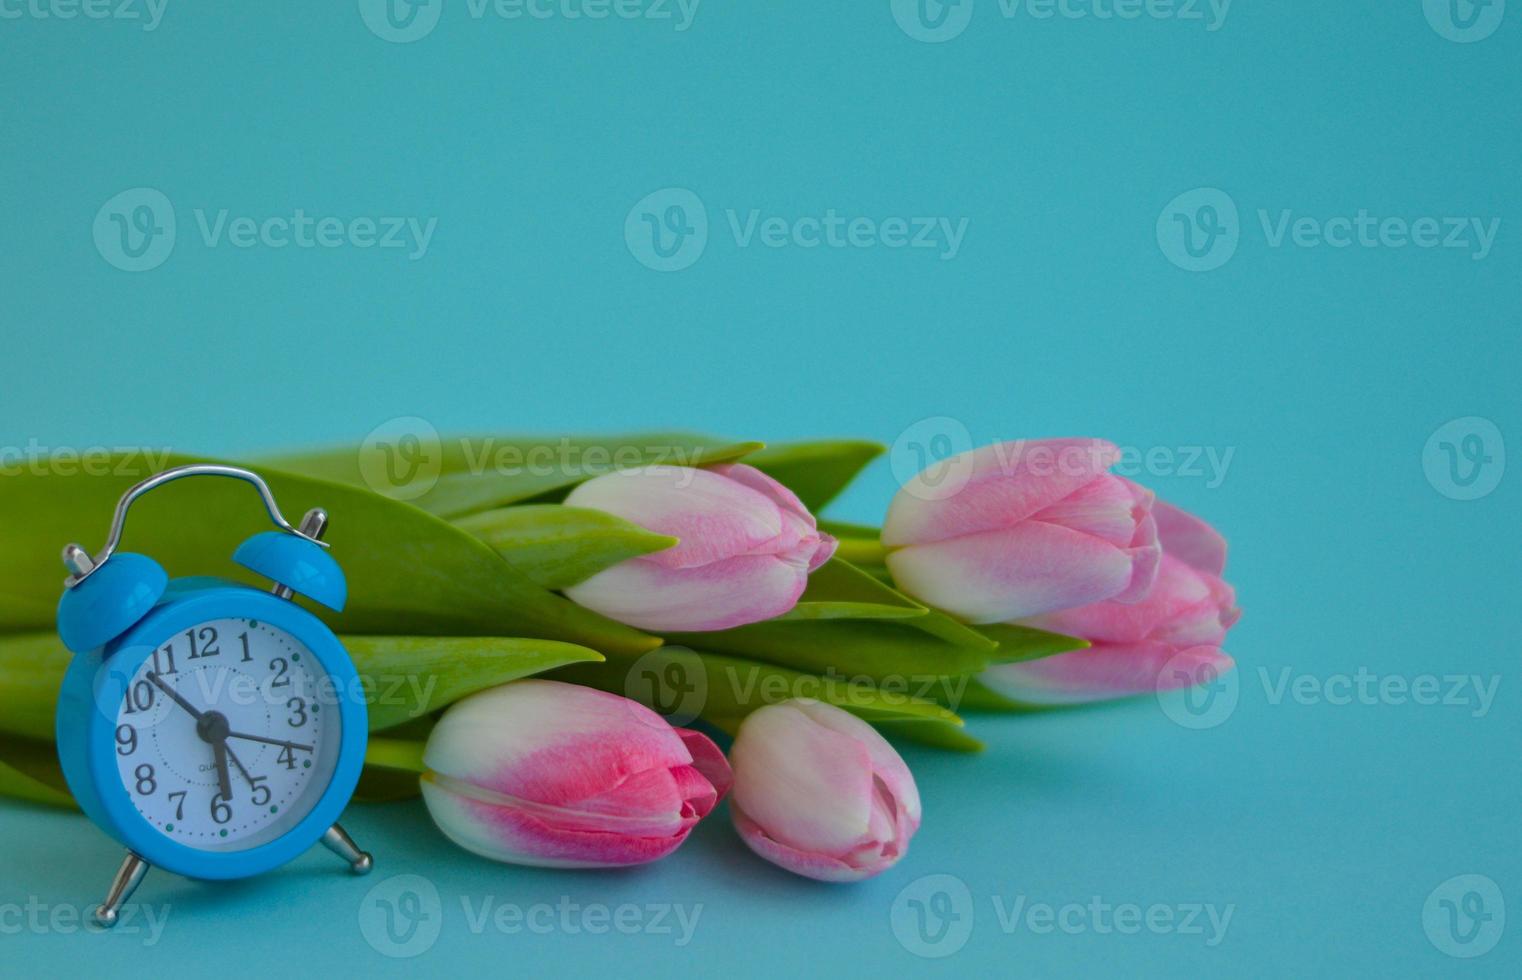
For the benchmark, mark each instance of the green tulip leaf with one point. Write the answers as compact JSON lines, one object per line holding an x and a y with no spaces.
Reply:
{"x":1018,"y":644}
{"x":847,"y":623}
{"x":408,"y":572}
{"x":32,"y":666}
{"x":842,"y":529}
{"x":878,"y":649}
{"x":980,"y":697}
{"x":29,"y":771}
{"x":685,"y":683}
{"x":377,"y":785}
{"x":406,"y":677}
{"x":816,"y":471}
{"x":455,"y":476}
{"x":558,"y":546}
{"x":839,"y":590}
{"x":938,"y":736}
{"x":859,"y":594}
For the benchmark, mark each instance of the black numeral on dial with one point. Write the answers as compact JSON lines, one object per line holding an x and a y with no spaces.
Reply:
{"x":203,"y":642}
{"x":126,"y":739}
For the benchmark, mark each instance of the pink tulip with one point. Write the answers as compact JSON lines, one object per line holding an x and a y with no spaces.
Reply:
{"x":747,"y":547}
{"x":1180,"y":625}
{"x":556,"y":775}
{"x":1035,"y":527}
{"x":819,"y":792}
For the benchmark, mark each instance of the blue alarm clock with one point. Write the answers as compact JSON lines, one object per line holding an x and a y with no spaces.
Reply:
{"x":216,"y":730}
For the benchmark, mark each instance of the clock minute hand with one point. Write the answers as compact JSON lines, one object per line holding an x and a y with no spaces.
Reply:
{"x":270,"y":741}
{"x":162,"y":685}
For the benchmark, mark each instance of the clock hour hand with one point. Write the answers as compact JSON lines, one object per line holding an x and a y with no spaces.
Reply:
{"x":224,"y":779}
{"x":270,"y":741}
{"x":162,"y":685}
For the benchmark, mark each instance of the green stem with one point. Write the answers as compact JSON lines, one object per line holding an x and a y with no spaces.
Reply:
{"x":396,"y":753}
{"x":862,"y":551}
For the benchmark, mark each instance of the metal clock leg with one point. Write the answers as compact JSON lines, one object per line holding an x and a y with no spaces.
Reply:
{"x":339,"y":842}
{"x":122,"y":886}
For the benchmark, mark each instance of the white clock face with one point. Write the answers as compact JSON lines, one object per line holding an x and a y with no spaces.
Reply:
{"x":228,"y":735}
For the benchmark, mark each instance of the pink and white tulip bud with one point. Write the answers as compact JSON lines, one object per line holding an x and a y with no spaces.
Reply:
{"x":819,"y":792}
{"x":1028,"y":527}
{"x":1180,"y":626}
{"x":557,"y":775}
{"x":747,"y":545}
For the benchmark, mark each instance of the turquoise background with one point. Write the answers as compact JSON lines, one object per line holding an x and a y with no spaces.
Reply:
{"x":1061,"y":141}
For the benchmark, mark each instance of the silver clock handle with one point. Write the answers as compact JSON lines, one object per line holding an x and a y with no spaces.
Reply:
{"x":81,"y":564}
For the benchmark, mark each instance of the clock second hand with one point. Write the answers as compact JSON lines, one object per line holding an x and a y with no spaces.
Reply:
{"x":237,"y":762}
{"x":270,"y":741}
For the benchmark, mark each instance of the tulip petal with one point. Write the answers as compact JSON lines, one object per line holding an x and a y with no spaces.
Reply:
{"x":760,"y":482}
{"x":819,"y":792}
{"x":1103,"y":673}
{"x":821,"y":805}
{"x":1146,"y":557}
{"x":716,"y":596}
{"x":550,"y":742}
{"x":1029,"y":569}
{"x":1107,"y":507}
{"x":711,"y":516}
{"x":887,"y":764}
{"x":820,"y":867}
{"x":709,"y":761}
{"x":1005,"y":484}
{"x":518,"y":836}
{"x":1190,"y":538}
{"x":1184,"y":607}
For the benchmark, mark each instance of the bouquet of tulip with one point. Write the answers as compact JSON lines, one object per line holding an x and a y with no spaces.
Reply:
{"x":657,"y":582}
